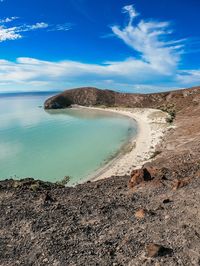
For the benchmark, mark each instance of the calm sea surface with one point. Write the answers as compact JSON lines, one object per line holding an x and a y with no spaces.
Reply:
{"x":54,"y":144}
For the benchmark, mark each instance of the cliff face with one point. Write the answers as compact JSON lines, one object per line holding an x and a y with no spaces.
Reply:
{"x":88,"y":96}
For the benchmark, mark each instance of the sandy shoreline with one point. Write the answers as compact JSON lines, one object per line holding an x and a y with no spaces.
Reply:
{"x":151,"y":125}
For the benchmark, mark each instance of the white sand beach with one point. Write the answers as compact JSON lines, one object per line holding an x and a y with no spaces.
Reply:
{"x":151,"y":125}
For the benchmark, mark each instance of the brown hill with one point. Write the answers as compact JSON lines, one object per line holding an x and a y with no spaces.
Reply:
{"x":89,"y":96}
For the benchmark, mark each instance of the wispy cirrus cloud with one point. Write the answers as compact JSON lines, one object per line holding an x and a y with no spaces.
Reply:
{"x":13,"y":32}
{"x":154,"y":66}
{"x":9,"y":19}
{"x":38,"y":25}
{"x":61,"y":27}
{"x":151,"y":40}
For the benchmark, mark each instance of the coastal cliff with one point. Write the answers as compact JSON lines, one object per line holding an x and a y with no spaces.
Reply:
{"x":150,"y":217}
{"x":89,"y":96}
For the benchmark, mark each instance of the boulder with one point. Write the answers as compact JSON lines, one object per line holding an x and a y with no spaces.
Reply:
{"x":155,"y":250}
{"x":142,"y":175}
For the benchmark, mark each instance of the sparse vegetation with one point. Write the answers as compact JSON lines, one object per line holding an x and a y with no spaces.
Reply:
{"x":170,"y":109}
{"x":172,"y":116}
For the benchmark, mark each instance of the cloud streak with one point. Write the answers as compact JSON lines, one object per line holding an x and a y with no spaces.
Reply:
{"x":150,"y":40}
{"x":154,"y":67}
{"x":129,"y":74}
{"x":17,"y":32}
{"x":7,"y":20}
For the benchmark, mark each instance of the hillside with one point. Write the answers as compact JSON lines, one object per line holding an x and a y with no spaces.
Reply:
{"x":93,"y":97}
{"x":150,"y":217}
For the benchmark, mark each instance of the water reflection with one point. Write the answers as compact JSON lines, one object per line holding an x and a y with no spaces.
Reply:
{"x":83,"y":113}
{"x":9,"y":150}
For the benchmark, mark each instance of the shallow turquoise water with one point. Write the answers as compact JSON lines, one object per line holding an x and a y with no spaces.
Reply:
{"x":50,"y":145}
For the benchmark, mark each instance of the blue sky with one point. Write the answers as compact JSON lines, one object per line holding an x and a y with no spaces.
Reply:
{"x":134,"y":46}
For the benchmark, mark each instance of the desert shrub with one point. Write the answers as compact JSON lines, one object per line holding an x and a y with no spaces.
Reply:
{"x":172,"y":116}
{"x":171,"y":112}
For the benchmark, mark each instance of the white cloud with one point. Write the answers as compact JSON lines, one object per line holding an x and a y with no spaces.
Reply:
{"x":131,"y":74}
{"x":28,"y":69}
{"x":131,"y":11}
{"x":39,"y":25}
{"x":154,"y":67}
{"x":186,"y":77}
{"x":16,"y":32}
{"x":62,"y":27}
{"x":7,"y":20}
{"x":150,"y":39}
{"x":9,"y":34}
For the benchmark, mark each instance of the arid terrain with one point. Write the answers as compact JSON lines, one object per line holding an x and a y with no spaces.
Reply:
{"x":150,"y":217}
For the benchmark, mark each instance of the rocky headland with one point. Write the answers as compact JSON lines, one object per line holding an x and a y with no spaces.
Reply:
{"x":149,"y":217}
{"x":89,"y":96}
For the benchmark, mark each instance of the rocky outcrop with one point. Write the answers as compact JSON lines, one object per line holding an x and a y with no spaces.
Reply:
{"x":89,"y":96}
{"x":58,"y":102}
{"x":143,"y":175}
{"x":81,"y":96}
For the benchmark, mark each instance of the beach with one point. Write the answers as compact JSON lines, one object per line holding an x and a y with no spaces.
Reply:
{"x":151,"y":127}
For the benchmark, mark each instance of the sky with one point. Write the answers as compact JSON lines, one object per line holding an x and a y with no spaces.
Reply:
{"x":133,"y":46}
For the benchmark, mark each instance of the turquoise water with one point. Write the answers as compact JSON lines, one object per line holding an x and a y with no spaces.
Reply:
{"x":54,"y":144}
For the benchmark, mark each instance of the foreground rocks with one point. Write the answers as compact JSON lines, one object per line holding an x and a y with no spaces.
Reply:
{"x":155,"y":250}
{"x":144,"y":175}
{"x":95,"y":224}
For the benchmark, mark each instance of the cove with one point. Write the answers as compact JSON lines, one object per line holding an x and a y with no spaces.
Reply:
{"x":58,"y":143}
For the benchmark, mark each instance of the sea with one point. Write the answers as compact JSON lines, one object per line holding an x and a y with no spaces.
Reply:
{"x":50,"y":145}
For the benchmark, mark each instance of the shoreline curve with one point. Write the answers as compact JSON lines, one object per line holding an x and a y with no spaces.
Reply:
{"x":151,"y":127}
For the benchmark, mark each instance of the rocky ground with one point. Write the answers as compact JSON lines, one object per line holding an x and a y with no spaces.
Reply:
{"x":101,"y":223}
{"x":149,"y":218}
